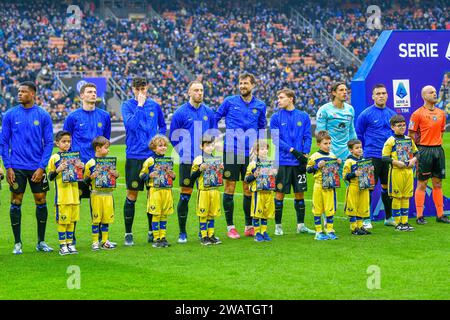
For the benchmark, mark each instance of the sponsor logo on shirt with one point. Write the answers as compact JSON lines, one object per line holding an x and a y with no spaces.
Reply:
{"x":152,"y":114}
{"x":36,"y":122}
{"x":99,"y":124}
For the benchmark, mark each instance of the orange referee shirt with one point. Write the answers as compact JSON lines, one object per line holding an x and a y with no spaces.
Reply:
{"x":428,"y":126}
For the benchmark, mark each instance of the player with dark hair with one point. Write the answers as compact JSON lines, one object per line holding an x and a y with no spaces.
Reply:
{"x":426,"y":128}
{"x":337,"y":118}
{"x":291,"y":133}
{"x":27,"y":140}
{"x":143,"y":119}
{"x":373,"y":129}
{"x":84,"y":124}
{"x":189,"y":122}
{"x":244,"y":116}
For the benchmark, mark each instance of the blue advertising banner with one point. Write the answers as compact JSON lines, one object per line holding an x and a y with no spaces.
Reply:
{"x":405,"y":62}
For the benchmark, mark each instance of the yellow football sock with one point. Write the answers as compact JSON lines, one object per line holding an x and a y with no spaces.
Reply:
{"x":318,"y":223}
{"x":330,"y":224}
{"x":396,"y":209}
{"x":105,"y":232}
{"x":204,"y":226}
{"x":69,"y":233}
{"x":257,"y":225}
{"x":210,"y":226}
{"x":162,"y":226}
{"x":155,"y":226}
{"x":62,"y":233}
{"x":353,"y":223}
{"x":95,"y":230}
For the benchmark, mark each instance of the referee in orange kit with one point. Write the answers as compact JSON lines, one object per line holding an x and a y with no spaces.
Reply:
{"x":426,"y":128}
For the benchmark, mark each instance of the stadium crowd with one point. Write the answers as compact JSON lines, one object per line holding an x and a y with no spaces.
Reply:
{"x":215,"y":41}
{"x":348,"y":22}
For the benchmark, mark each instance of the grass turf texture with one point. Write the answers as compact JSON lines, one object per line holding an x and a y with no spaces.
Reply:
{"x":413,"y":265}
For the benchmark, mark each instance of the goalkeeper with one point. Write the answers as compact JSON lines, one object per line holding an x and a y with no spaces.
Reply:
{"x":291,"y":134}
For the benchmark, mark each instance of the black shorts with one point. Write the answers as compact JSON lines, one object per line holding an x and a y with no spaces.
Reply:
{"x":431,"y":163}
{"x":234,"y":170}
{"x":132,"y":169}
{"x":185,"y":175}
{"x":20,"y":185}
{"x":381,"y":170}
{"x":85,"y":192}
{"x":288,"y":176}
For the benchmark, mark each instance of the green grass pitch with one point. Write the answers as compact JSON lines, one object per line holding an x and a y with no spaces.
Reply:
{"x":411,"y":265}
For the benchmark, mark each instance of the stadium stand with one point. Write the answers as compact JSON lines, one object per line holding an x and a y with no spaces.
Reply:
{"x":215,"y":41}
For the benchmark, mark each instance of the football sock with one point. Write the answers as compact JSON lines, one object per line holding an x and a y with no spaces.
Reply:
{"x":128,"y":213}
{"x":247,"y":203}
{"x":163,"y":227}
{"x":257,"y":226}
{"x":203,"y":226}
{"x":278,"y":211}
{"x":359,"y":222}
{"x":74,"y":240}
{"x":41,"y":217}
{"x":396,"y":209}
{"x":16,"y":217}
{"x":387,"y":202}
{"x":105,"y":232}
{"x":263,"y":225}
{"x":210,"y":227}
{"x":419,"y":198}
{"x":300,"y":208}
{"x":155,"y":227}
{"x":438,"y":199}
{"x":228,"y":208}
{"x":62,"y":234}
{"x":318,"y":223}
{"x":353,"y":223}
{"x":404,"y":218}
{"x":149,"y":218}
{"x":330,"y":224}
{"x":95,"y":229}
{"x":69,"y":233}
{"x":182,"y":210}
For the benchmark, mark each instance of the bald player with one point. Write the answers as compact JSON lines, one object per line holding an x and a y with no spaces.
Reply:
{"x":426,"y":128}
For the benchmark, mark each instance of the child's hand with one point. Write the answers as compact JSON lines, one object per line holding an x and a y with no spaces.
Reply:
{"x":61,"y":167}
{"x":412,"y":162}
{"x":399,"y":164}
{"x":321,"y":163}
{"x":115,"y":173}
{"x":274,"y":172}
{"x":358,"y":173}
{"x":203,"y":167}
{"x":94,"y":175}
{"x":172,"y":174}
{"x":339,"y":161}
{"x":79,"y":164}
{"x":221,"y":166}
{"x":153,"y":175}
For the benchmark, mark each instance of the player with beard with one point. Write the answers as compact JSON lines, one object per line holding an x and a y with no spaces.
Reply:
{"x":244,"y":116}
